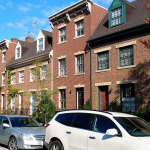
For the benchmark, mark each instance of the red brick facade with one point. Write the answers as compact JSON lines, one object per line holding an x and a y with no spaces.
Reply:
{"x":68,"y":50}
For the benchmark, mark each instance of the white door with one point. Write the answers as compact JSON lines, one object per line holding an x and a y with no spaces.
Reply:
{"x":97,"y":139}
{"x":78,"y":134}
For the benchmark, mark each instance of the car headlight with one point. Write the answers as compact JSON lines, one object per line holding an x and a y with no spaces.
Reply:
{"x":26,"y":136}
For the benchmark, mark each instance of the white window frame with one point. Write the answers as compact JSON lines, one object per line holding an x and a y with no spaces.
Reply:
{"x":62,"y":69}
{"x":21,"y":76}
{"x":13,"y":103}
{"x":3,"y":57}
{"x":43,"y":72}
{"x":3,"y":79}
{"x":62,"y":35}
{"x":62,"y":102}
{"x":18,"y":51}
{"x":81,"y":63}
{"x":13,"y":78}
{"x":2,"y":101}
{"x":80,"y":28}
{"x":41,"y":44}
{"x":32,"y":76}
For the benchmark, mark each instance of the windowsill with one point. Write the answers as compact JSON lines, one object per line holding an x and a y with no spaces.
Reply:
{"x":97,"y":71}
{"x":31,"y":81}
{"x":3,"y":85}
{"x":79,"y":74}
{"x":12,"y":83}
{"x":61,"y":42}
{"x":62,"y":77}
{"x":79,"y":36}
{"x":3,"y":62}
{"x":126,"y":67}
{"x":20,"y":82}
{"x":41,"y":50}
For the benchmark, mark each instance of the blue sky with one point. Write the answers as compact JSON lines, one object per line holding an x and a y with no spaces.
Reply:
{"x":17,"y":16}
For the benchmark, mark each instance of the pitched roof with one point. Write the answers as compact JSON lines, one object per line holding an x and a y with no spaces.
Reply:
{"x":29,"y":53}
{"x":135,"y":16}
{"x":46,"y":33}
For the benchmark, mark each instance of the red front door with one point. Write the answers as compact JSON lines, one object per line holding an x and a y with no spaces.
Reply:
{"x":103,"y":100}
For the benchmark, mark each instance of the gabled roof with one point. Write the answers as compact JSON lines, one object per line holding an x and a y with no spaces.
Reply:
{"x":135,"y":16}
{"x":46,"y":33}
{"x":29,"y":53}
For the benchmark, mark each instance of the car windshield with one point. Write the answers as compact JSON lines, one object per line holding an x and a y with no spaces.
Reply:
{"x":24,"y":122}
{"x":134,"y":125}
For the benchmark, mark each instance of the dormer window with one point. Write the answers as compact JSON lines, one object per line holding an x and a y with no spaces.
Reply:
{"x":18,"y":52}
{"x":116,"y":16}
{"x":40,"y":44}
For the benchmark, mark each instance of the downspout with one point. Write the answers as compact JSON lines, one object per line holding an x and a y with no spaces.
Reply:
{"x":90,"y":73}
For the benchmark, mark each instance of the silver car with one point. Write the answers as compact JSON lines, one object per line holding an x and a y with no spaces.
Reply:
{"x":21,"y":132}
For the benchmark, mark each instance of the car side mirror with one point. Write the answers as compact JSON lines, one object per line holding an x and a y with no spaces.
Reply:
{"x":5,"y":125}
{"x":112,"y":132}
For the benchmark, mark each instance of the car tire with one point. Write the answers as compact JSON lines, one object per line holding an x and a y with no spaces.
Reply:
{"x":12,"y":144}
{"x":55,"y":145}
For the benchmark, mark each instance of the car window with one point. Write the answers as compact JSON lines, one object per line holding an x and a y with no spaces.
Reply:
{"x":83,"y":120}
{"x":5,"y":120}
{"x":1,"y":120}
{"x":65,"y":119}
{"x":102,"y":124}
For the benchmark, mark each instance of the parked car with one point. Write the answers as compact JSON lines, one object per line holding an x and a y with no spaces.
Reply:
{"x":94,"y":130}
{"x":21,"y":132}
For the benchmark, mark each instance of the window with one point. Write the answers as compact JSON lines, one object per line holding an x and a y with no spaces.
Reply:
{"x":62,"y":34}
{"x":32,"y":103}
{"x":102,"y":124}
{"x":63,"y":99}
{"x":3,"y":57}
{"x":65,"y":119}
{"x":128,"y":97}
{"x":116,"y":16}
{"x":83,"y":121}
{"x":80,"y":63}
{"x":43,"y":72}
{"x":2,"y":102}
{"x":62,"y":67}
{"x":3,"y":79}
{"x":40,"y":45}
{"x":32,"y":75}
{"x":18,"y":53}
{"x":13,"y":103}
{"x":21,"y":76}
{"x":126,"y":56}
{"x":103,"y":61}
{"x":13,"y":78}
{"x":79,"y":28}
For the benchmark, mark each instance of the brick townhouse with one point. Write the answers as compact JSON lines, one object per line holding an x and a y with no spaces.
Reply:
{"x":120,"y":61}
{"x":72,"y":27}
{"x":21,"y":65}
{"x":7,"y":50}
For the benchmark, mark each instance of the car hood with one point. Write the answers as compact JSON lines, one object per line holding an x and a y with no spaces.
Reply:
{"x":145,"y":139}
{"x":32,"y":130}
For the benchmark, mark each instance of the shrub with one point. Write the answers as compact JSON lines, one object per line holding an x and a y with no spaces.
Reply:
{"x":87,"y":105}
{"x":113,"y":106}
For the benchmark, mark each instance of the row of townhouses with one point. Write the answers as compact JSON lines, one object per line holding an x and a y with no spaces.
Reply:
{"x":92,"y":53}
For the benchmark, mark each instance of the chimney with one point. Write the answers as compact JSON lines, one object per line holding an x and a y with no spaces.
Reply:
{"x":29,"y":39}
{"x":14,"y":40}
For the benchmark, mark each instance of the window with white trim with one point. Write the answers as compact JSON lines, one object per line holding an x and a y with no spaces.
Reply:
{"x":43,"y":72}
{"x":2,"y":101}
{"x":62,"y":67}
{"x":80,"y":63}
{"x":21,"y":76}
{"x":3,"y":79}
{"x":62,"y":34}
{"x":3,"y":57}
{"x":79,"y":28}
{"x":13,"y":103}
{"x":13,"y":78}
{"x":18,"y":52}
{"x":32,"y":75}
{"x":62,"y":99}
{"x":40,"y":44}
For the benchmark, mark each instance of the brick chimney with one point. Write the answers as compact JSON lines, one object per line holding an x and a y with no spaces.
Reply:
{"x":29,"y":39}
{"x":14,"y":40}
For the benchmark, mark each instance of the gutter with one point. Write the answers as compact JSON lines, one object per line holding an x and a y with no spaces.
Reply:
{"x":90,"y":73}
{"x":115,"y":34}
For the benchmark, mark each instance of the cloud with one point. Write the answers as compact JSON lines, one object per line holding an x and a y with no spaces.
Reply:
{"x":10,"y":24}
{"x":9,"y":3}
{"x":23,"y":8}
{"x":2,"y":7}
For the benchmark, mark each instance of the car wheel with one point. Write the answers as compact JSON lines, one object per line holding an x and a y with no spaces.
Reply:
{"x":55,"y":145}
{"x":12,"y":144}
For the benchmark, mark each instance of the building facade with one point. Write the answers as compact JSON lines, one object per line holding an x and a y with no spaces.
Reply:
{"x":71,"y":58}
{"x":120,"y":60}
{"x":27,"y":56}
